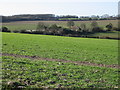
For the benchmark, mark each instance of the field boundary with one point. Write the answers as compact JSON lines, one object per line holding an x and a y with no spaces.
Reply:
{"x":61,"y":60}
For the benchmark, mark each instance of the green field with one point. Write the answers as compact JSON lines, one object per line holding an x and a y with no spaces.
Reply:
{"x":112,"y":34}
{"x":49,"y":74}
{"x":31,"y":25}
{"x":52,"y":74}
{"x":68,"y":48}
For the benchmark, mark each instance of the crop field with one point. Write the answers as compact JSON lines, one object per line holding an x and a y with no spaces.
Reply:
{"x":113,"y":34}
{"x":67,"y":48}
{"x":38,"y":61}
{"x":31,"y":25}
{"x":27,"y":73}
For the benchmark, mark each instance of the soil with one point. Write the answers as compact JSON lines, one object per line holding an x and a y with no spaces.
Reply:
{"x":64,"y":61}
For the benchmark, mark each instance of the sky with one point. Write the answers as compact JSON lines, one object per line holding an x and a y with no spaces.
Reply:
{"x":59,"y":7}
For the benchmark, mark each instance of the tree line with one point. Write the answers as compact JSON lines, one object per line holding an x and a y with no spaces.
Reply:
{"x":71,"y":30}
{"x":52,"y":17}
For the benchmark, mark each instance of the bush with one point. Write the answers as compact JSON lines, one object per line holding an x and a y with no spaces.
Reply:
{"x":109,"y":26}
{"x":54,"y":26}
{"x":94,"y":24}
{"x":41,"y":26}
{"x":36,"y":32}
{"x":83,"y":26}
{"x":115,"y":29}
{"x":70,"y":23}
{"x":97,"y":29}
{"x":68,"y":31}
{"x":5,"y":29}
{"x":24,"y":31}
{"x":54,"y":30}
{"x":16,"y":31}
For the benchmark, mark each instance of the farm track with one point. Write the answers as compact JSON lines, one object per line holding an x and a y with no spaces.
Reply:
{"x":60,"y":60}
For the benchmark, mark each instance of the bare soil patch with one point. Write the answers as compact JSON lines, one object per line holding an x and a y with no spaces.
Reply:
{"x":64,"y":61}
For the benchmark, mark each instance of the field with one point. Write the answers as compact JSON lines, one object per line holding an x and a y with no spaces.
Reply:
{"x":31,"y":25}
{"x":28,"y":73}
{"x":44,"y":61}
{"x":68,"y":48}
{"x":112,"y":34}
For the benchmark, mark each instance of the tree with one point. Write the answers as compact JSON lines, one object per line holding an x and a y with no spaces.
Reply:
{"x":83,"y":26}
{"x":54,"y":30}
{"x":5,"y":29}
{"x":54,"y":26}
{"x":70,"y":24}
{"x":94,"y":17}
{"x":109,"y":26}
{"x":94,"y":24}
{"x":105,"y":16}
{"x":41,"y":27}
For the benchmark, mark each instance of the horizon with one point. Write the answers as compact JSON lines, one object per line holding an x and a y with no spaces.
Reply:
{"x":58,"y":15}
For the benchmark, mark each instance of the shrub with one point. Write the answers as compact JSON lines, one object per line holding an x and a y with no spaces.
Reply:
{"x":97,"y":29}
{"x":109,"y":26}
{"x":41,"y":26}
{"x":37,"y":32}
{"x":54,"y":30}
{"x":115,"y":28}
{"x":16,"y":31}
{"x":94,"y":24}
{"x":5,"y":29}
{"x":70,"y":24}
{"x":24,"y":31}
{"x":54,"y":26}
{"x":83,"y":26}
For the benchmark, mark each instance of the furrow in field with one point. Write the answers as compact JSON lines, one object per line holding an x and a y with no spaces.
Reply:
{"x":64,"y":61}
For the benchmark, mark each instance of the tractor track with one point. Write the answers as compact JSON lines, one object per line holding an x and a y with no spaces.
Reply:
{"x":60,"y":60}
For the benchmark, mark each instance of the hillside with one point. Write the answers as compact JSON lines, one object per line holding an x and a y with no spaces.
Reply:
{"x":45,"y":61}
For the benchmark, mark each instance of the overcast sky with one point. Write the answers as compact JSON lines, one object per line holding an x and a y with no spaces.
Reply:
{"x":59,"y":7}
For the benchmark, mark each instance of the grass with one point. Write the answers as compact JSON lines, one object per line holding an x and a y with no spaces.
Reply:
{"x":50,"y":74}
{"x":102,"y":51}
{"x":31,"y":25}
{"x":21,"y":26}
{"x":28,"y":73}
{"x":112,"y":34}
